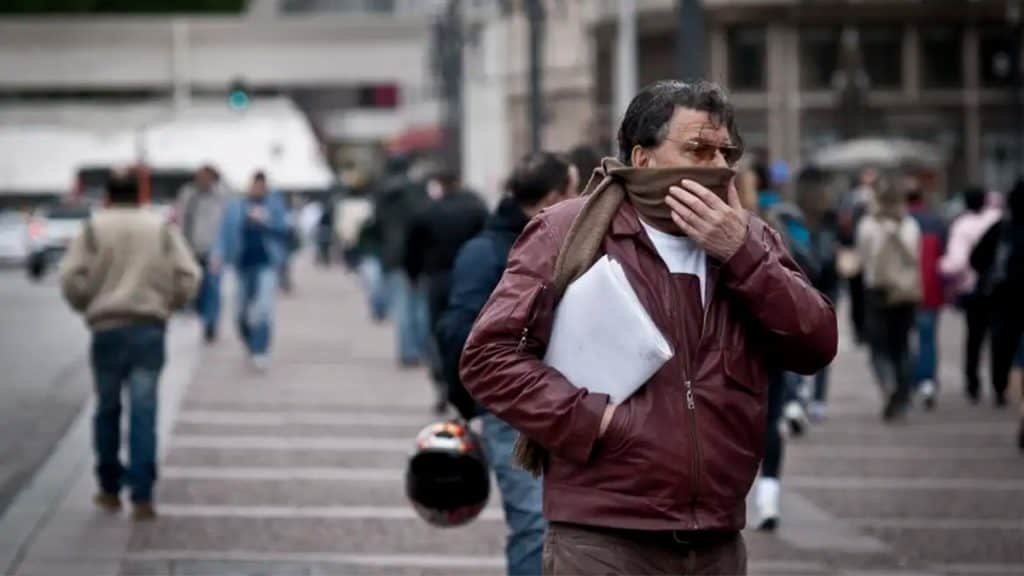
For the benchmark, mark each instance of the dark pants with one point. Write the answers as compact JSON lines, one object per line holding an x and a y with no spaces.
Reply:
{"x":978,"y":311}
{"x":778,"y":394}
{"x":889,"y":337}
{"x":130,"y":357}
{"x":858,"y":308}
{"x":1007,"y":327}
{"x":573,"y":549}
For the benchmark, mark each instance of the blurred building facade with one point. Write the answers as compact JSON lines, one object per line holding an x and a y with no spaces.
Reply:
{"x":359,"y":69}
{"x":943,"y":71}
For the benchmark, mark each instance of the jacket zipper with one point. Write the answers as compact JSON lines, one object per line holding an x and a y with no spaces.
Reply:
{"x":691,"y":405}
{"x":530,"y":319}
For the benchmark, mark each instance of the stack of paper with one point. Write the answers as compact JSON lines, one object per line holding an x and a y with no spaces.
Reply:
{"x":603,"y":339}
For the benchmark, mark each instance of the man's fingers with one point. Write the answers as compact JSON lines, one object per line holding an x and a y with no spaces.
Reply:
{"x":707,"y":196}
{"x":734,"y":196}
{"x":692,"y":201}
{"x":695,"y":223}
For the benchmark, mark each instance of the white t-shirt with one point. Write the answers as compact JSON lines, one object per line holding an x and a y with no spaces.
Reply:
{"x":681,"y":255}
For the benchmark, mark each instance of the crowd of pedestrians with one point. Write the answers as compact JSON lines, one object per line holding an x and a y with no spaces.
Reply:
{"x":740,"y":283}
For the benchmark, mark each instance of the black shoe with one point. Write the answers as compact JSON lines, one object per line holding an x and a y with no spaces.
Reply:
{"x":974,"y":397}
{"x":768,"y":525}
{"x":894,"y":410}
{"x":210,"y":335}
{"x":1020,"y":436}
{"x":1000,"y":401}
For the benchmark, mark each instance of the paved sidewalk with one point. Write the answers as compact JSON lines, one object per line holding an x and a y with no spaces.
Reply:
{"x":300,"y":471}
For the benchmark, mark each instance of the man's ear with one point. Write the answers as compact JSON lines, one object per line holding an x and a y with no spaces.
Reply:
{"x":640,"y":157}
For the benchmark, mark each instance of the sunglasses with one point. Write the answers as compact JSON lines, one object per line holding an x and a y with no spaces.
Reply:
{"x":704,"y":151}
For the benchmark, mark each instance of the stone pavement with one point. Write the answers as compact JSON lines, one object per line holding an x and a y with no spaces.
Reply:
{"x":300,"y":471}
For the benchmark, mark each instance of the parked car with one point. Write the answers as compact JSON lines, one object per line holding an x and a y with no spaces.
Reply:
{"x":13,"y":238}
{"x":50,"y":232}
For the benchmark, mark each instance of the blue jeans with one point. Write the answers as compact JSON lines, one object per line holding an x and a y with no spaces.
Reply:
{"x":373,"y":282}
{"x":208,"y":298}
{"x":927,"y":322}
{"x":412,"y":323}
{"x":256,"y":290}
{"x":130,"y":357}
{"x":521,"y":496}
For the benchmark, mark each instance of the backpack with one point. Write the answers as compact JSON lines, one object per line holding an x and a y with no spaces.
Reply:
{"x":896,"y":271}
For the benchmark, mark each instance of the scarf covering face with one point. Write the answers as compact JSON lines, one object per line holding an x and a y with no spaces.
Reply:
{"x":611,"y":183}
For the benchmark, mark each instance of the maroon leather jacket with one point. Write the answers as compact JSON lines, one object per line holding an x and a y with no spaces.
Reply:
{"x":683,"y":451}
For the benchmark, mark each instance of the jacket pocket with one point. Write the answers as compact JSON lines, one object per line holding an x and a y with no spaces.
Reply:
{"x":740,"y":374}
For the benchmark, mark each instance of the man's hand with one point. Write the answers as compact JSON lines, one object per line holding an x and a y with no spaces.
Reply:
{"x":717,"y":227}
{"x":606,"y":419}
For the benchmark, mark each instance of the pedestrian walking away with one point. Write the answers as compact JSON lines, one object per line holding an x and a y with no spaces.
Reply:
{"x":888,"y":241}
{"x":199,"y":213}
{"x":435,"y":234}
{"x":653,"y":484}
{"x":539,"y":180}
{"x":998,"y":261}
{"x":253,"y":240}
{"x":126,"y":272}
{"x":933,"y":238}
{"x":955,"y":265}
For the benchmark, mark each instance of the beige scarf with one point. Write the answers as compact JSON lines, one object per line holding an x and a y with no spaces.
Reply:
{"x":612,"y":183}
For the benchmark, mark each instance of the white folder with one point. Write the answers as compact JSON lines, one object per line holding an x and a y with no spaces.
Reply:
{"x":603,"y":339}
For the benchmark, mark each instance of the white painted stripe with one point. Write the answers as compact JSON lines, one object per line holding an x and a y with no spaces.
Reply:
{"x":274,"y":419}
{"x":976,"y":569}
{"x":491,"y":513}
{"x":896,"y":452}
{"x":326,"y":443}
{"x":938,"y":523}
{"x":404,"y":560}
{"x":375,"y":560}
{"x":848,"y":483}
{"x":279,"y":473}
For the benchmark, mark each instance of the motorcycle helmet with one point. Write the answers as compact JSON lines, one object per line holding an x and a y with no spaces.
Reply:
{"x":447,"y":479}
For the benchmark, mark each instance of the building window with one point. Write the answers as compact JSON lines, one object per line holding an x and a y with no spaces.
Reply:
{"x":997,"y":54}
{"x":882,"y":53}
{"x":941,"y":57}
{"x":819,"y":56}
{"x":747,"y":58}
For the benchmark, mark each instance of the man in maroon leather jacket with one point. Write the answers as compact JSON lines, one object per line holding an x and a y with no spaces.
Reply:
{"x":656,"y":484}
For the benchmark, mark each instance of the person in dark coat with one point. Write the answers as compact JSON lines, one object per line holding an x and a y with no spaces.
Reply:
{"x":436,"y":232}
{"x":539,"y":180}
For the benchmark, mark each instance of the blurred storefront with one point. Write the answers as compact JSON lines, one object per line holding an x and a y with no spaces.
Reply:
{"x":941,"y":71}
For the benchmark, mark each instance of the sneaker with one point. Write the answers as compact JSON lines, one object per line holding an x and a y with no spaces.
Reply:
{"x":108,"y":502}
{"x":894,"y":410}
{"x":210,"y":334}
{"x":796,"y":418}
{"x":260,"y":362}
{"x":928,"y":391}
{"x":1020,"y":435}
{"x":143,"y":512}
{"x":816,"y":412}
{"x":767,"y":502}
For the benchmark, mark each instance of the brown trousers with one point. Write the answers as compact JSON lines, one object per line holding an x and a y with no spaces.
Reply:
{"x":571,"y":549}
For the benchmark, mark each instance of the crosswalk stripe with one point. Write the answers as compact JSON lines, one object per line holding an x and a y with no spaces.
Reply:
{"x":852,"y":483}
{"x":938,"y":523}
{"x":327,"y":443}
{"x":491,"y":513}
{"x":273,"y":419}
{"x":278,"y":473}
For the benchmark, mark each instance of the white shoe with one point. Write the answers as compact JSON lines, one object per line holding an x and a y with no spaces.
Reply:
{"x":796,"y":418}
{"x":260,"y":362}
{"x":928,"y":391}
{"x":767,"y":502}
{"x":816,"y":411}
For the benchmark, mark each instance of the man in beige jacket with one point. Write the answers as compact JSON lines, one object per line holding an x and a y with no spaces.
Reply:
{"x":126,"y":272}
